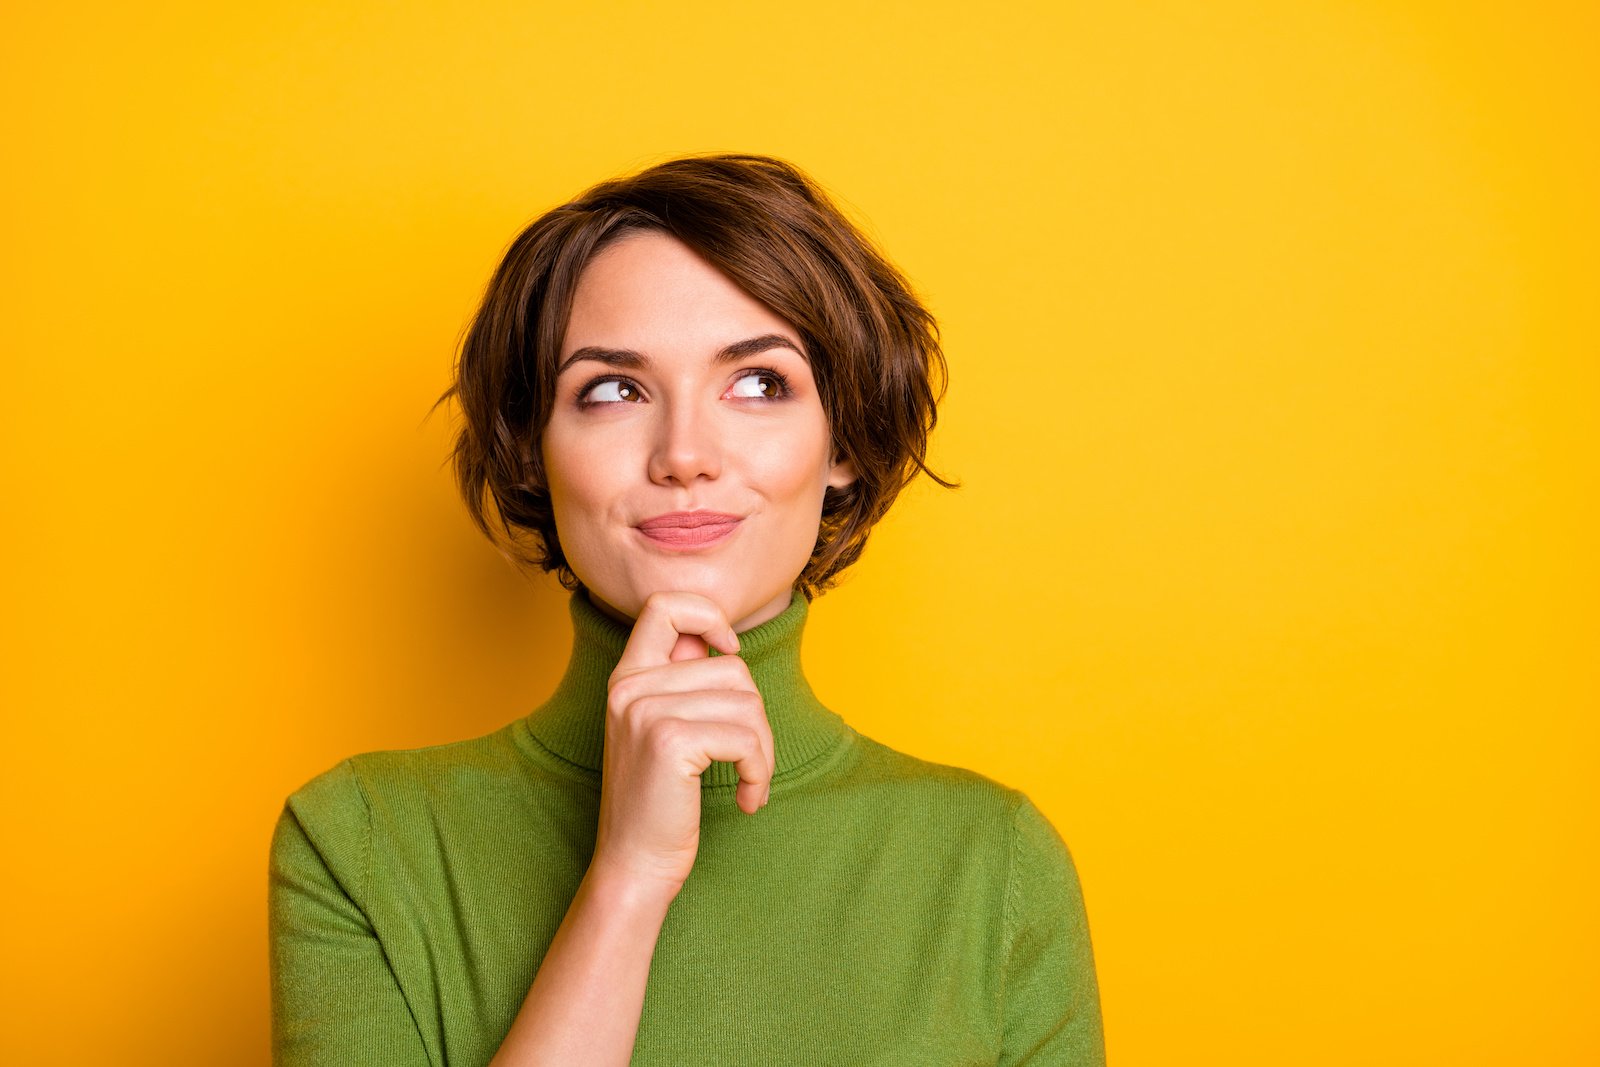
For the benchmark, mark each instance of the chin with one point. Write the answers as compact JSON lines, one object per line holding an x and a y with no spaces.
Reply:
{"x":726,"y":583}
{"x":629,"y":596}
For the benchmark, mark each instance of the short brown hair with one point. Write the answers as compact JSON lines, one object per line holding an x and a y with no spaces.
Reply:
{"x":874,"y":348}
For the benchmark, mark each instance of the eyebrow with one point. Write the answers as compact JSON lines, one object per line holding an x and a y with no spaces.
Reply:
{"x":627,"y":357}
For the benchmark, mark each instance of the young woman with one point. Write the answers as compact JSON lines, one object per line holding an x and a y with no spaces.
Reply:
{"x":691,"y":392}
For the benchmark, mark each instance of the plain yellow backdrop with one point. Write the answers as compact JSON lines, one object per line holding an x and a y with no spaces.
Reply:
{"x":1272,"y":578}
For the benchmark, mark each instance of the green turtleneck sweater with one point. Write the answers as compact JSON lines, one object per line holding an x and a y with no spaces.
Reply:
{"x":880,"y":910}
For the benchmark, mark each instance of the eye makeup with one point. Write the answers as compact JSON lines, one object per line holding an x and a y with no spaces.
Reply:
{"x":784,"y":389}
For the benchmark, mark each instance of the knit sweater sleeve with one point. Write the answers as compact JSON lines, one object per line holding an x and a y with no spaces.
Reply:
{"x":335,"y":999}
{"x":1051,"y":995}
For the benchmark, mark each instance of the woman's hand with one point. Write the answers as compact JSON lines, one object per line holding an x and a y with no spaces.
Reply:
{"x":671,"y":710}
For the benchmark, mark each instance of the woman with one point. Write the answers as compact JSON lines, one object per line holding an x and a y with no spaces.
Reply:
{"x":691,"y":392}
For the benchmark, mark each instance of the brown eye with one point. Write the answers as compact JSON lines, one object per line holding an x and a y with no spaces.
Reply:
{"x":624,"y":390}
{"x":774,"y":387}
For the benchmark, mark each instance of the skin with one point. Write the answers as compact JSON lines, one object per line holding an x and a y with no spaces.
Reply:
{"x":684,"y":432}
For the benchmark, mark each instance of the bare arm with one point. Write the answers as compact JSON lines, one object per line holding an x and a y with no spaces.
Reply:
{"x":671,"y":711}
{"x":585,"y":1002}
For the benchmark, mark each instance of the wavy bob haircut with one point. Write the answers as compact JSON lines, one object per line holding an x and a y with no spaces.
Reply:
{"x":874,"y":348}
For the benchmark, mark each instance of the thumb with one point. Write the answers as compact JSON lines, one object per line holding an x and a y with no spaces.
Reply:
{"x":689,"y":646}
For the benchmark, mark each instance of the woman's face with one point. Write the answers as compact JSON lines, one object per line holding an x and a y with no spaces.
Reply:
{"x":671,"y":397}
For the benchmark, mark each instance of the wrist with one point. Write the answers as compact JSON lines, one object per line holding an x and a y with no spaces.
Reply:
{"x":623,"y":887}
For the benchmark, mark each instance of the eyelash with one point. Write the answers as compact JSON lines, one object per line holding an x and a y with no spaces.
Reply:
{"x":784,"y":391}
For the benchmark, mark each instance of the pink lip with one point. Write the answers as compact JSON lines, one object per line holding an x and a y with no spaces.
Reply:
{"x":689,"y":529}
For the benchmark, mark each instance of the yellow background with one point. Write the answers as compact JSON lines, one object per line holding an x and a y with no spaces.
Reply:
{"x":1272,"y":334}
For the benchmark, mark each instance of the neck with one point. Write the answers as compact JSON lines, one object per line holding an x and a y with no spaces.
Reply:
{"x":571,"y":723}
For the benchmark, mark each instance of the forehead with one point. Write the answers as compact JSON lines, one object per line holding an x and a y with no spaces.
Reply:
{"x":651,"y":290}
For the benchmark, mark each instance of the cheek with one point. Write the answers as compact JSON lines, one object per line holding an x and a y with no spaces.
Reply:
{"x":786,"y":469}
{"x":575,"y":473}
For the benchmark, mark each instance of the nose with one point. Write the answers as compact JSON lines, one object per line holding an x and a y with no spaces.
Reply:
{"x":687,"y":445}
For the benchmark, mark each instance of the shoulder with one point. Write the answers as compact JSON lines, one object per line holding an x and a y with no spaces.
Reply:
{"x":1040,"y":859}
{"x":1038,"y":852}
{"x":348,"y":794}
{"x":926,"y":788}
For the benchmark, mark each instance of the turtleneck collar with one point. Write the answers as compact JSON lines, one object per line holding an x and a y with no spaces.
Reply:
{"x":571,"y":724}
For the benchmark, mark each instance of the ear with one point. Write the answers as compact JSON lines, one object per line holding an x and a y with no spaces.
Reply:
{"x":842,"y":475}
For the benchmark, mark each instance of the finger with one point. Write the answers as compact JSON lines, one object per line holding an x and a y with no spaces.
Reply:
{"x":687,"y":676}
{"x":689,"y":646}
{"x":734,"y":707}
{"x":697,"y":743}
{"x":665,"y":617}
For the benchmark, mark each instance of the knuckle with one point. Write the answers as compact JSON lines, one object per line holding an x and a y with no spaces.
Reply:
{"x":621,"y":692}
{"x":666,"y":734}
{"x":644,"y":705}
{"x":733,"y":671}
{"x":737,"y":666}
